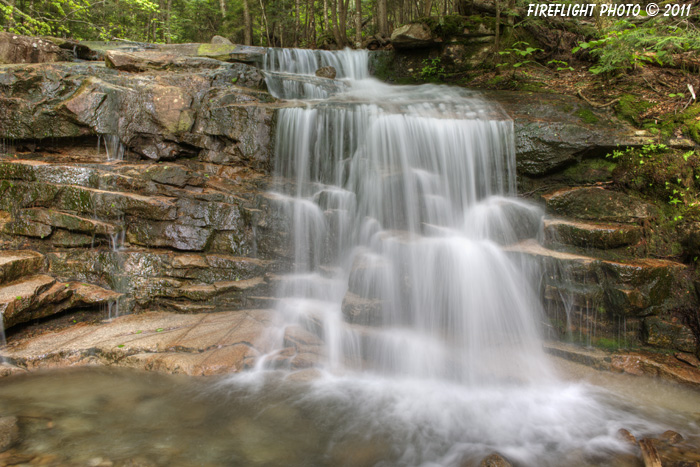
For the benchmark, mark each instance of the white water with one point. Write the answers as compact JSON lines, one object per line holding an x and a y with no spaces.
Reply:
{"x":400,"y":199}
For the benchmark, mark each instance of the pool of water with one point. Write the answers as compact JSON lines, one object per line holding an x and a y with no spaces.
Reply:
{"x":98,"y":416}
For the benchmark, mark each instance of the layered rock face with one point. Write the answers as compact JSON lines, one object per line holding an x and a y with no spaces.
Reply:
{"x":139,"y":185}
{"x":142,"y":184}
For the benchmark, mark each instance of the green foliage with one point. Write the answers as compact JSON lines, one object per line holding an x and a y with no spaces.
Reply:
{"x":627,"y":46}
{"x":560,"y":65}
{"x":432,"y":69}
{"x":519,"y":54}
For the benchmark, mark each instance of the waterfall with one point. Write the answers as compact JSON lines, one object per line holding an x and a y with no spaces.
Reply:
{"x":401,"y":206}
{"x":399,"y":198}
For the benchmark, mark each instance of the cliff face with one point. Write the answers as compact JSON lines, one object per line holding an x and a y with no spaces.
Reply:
{"x":142,"y":184}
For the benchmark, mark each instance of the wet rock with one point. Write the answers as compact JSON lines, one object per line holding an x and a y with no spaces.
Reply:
{"x":690,"y":359}
{"x":66,"y":239}
{"x":67,"y":221}
{"x":193,"y":344}
{"x":599,"y":204}
{"x":27,"y":228}
{"x":15,"y":264}
{"x":591,"y":235}
{"x":168,"y":234}
{"x":626,"y":436}
{"x":154,"y":118}
{"x":41,"y":295}
{"x":220,"y":40}
{"x":671,"y":437}
{"x":494,"y":460}
{"x":412,"y":35}
{"x":362,"y":311}
{"x":326,"y":72}
{"x":15,"y":48}
{"x":550,"y":135}
{"x":656,"y":365}
{"x":9,"y":433}
{"x":666,"y":334}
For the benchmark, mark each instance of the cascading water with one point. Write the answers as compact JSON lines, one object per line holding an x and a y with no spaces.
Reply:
{"x":400,"y":199}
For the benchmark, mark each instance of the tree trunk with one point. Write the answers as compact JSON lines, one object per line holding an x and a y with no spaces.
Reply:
{"x":168,"y":14}
{"x":334,"y":19}
{"x":247,"y":24}
{"x":382,"y":19}
{"x":342,"y":26}
{"x":222,"y":5}
{"x":358,"y":23}
{"x":427,"y":7}
{"x":325,"y":16}
{"x":497,"y":38}
{"x":297,"y":22}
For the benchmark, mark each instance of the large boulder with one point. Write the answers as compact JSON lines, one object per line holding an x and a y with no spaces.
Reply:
{"x":412,"y":35}
{"x":15,"y":48}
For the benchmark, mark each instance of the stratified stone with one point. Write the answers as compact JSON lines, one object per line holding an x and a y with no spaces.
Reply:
{"x":599,"y":204}
{"x":665,"y":334}
{"x":193,"y":344}
{"x":15,"y":264}
{"x":591,"y":235}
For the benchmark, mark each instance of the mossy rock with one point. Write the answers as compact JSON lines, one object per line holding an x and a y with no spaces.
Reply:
{"x":587,"y":116}
{"x":631,"y":108}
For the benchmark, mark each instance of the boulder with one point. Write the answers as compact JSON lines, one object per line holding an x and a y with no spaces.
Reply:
{"x":412,"y":35}
{"x":220,"y":40}
{"x":326,"y":72}
{"x":15,"y":48}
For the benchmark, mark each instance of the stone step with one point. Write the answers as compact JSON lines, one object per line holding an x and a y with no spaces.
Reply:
{"x":590,"y":235}
{"x":90,"y":201}
{"x":598,"y":204}
{"x":41,"y":295}
{"x":630,"y":287}
{"x":39,"y":222}
{"x":19,"y":263}
{"x":193,"y":344}
{"x":204,"y":292}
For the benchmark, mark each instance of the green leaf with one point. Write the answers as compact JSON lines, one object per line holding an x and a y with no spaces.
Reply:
{"x":159,"y":330}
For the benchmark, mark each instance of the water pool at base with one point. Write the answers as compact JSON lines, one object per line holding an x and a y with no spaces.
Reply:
{"x":96,"y":416}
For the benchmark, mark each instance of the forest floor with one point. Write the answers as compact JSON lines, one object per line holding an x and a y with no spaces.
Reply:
{"x":660,"y":93}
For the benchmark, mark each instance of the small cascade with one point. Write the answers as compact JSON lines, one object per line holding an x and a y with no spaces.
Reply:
{"x":114,"y":148}
{"x":289,"y":73}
